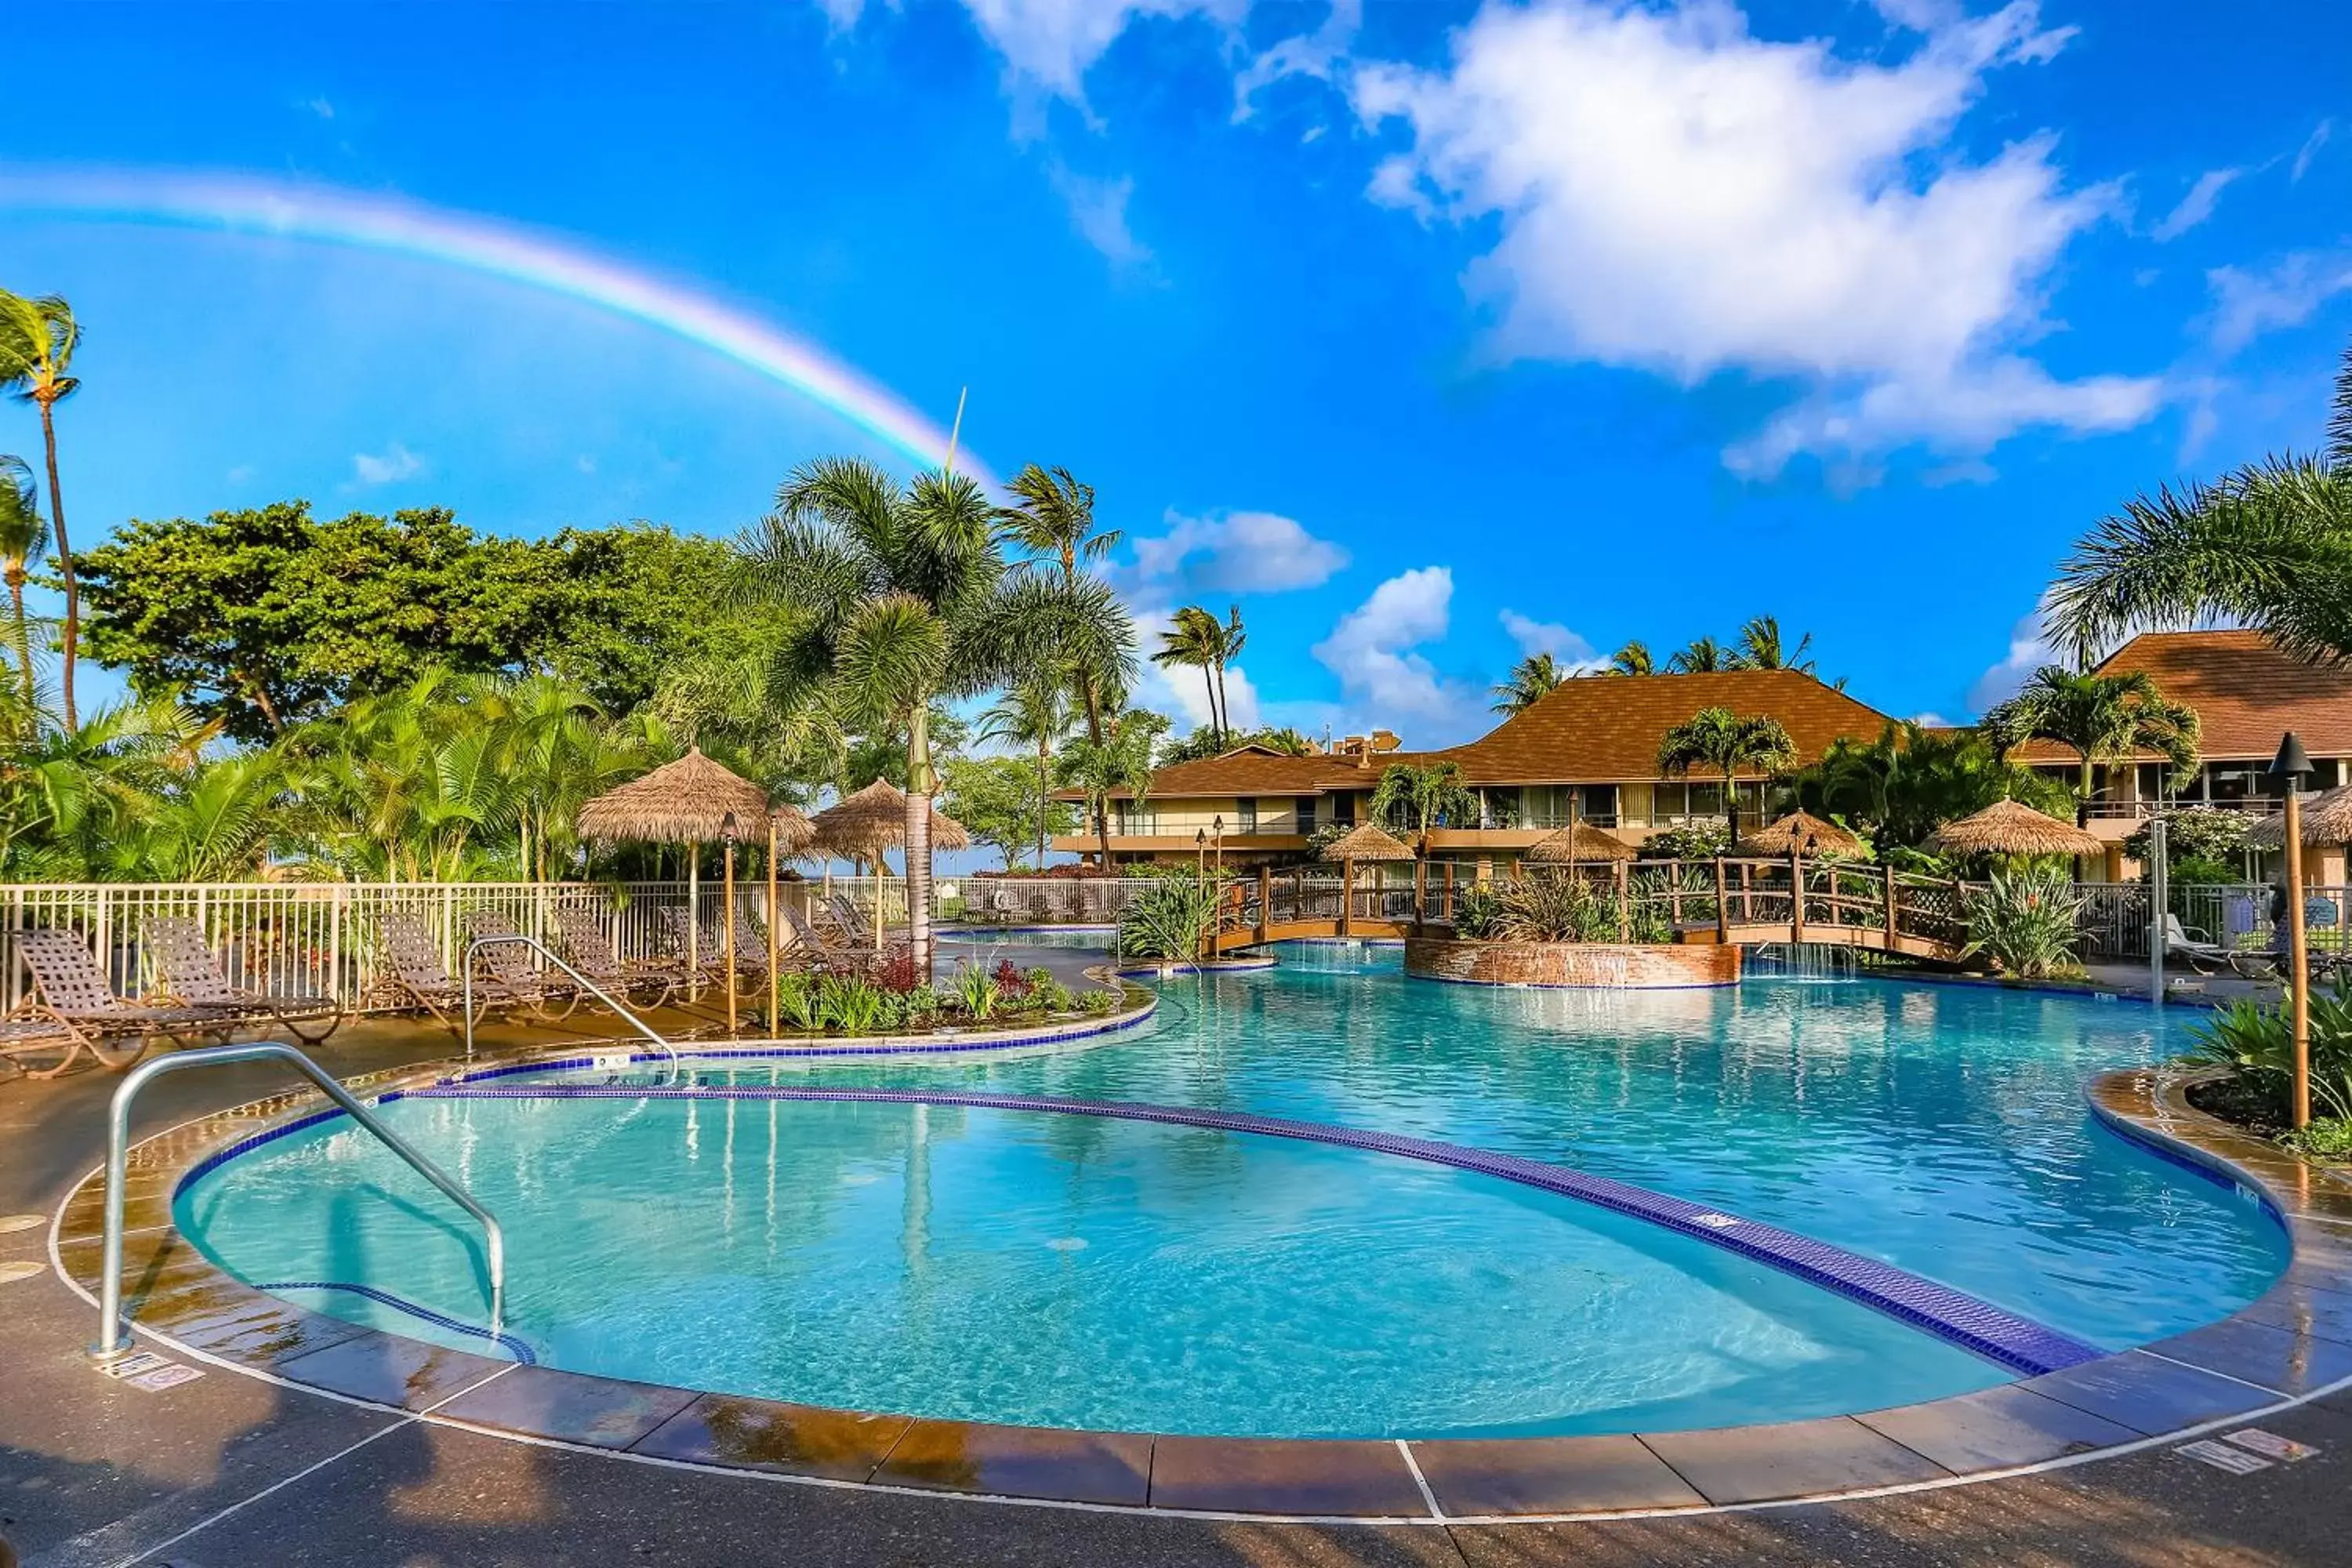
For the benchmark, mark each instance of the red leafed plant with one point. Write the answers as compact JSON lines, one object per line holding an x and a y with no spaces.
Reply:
{"x":897,"y":972}
{"x":1010,"y":981}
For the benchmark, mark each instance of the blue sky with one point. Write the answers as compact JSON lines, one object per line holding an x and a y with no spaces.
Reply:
{"x":1427,"y":332}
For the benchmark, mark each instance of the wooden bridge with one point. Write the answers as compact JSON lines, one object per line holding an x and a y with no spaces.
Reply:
{"x":1750,"y":902}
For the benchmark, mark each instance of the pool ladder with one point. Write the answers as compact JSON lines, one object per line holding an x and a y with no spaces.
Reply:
{"x":516,"y":938}
{"x":113,"y":1333}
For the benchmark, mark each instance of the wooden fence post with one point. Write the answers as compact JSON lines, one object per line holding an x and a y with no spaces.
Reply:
{"x":1796,"y":898}
{"x":1624,"y":906}
{"x":1887,"y":874}
{"x":1722,"y":901}
{"x":1348,"y":895}
{"x":1265,"y":901}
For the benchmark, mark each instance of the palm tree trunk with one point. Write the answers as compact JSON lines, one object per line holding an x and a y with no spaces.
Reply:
{"x":65,"y":563}
{"x":1045,"y":800}
{"x":24,"y":633}
{"x":1100,"y":803}
{"x":1216,"y":720}
{"x":1731,"y":809}
{"x":1224,"y":705}
{"x":921,"y":783}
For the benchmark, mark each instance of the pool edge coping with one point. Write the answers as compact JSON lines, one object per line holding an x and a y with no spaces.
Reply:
{"x":2147,"y":1106}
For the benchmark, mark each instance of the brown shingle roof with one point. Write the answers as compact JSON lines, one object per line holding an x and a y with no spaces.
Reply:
{"x":2246,"y":691}
{"x":1606,"y":729}
{"x":1252,"y":772}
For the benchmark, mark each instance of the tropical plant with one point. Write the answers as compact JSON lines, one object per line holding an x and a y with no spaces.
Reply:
{"x":1477,"y":911}
{"x":1033,"y":712}
{"x":1558,"y":906}
{"x":1532,"y":679}
{"x":1098,"y":1001}
{"x":1118,"y":764}
{"x":2100,"y":718}
{"x":2268,"y":545}
{"x":23,"y":538}
{"x":1206,"y":742}
{"x":73,"y":800}
{"x":1700,"y":841}
{"x":1700,"y":655}
{"x":1761,"y":646}
{"x":1196,"y":638}
{"x":2192,"y":833}
{"x":1172,"y":919}
{"x":1634,"y":658}
{"x":1721,"y":740}
{"x":37,"y":338}
{"x":2025,"y":921}
{"x":853,"y":1006}
{"x":2255,"y":1040}
{"x":1418,"y":798}
{"x":977,"y":991}
{"x":896,"y":587}
{"x":797,"y":1003}
{"x":1910,"y":781}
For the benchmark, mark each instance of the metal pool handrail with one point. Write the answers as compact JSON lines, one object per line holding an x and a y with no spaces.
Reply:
{"x":113,"y":1336}
{"x":516,"y":939}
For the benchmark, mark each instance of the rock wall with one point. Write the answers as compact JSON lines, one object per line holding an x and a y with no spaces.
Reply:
{"x":1595,"y":965}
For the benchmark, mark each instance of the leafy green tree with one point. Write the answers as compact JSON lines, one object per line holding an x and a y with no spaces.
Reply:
{"x":1118,"y":764}
{"x":1417,"y":799}
{"x":1034,"y":712}
{"x":1196,"y":640}
{"x":2099,"y":717}
{"x":1701,"y":656}
{"x":896,"y":586}
{"x":22,"y":539}
{"x":1634,"y":658}
{"x":37,"y":338}
{"x":2267,"y":545}
{"x":1204,"y":742}
{"x":71,"y":795}
{"x":2194,"y":833}
{"x":995,"y":800}
{"x":1721,"y":740}
{"x":1911,"y":781}
{"x":1532,"y":679}
{"x":1762,"y":646}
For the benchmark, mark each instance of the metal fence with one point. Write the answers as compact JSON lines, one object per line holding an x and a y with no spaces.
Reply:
{"x":2235,"y":915}
{"x":1041,"y":900}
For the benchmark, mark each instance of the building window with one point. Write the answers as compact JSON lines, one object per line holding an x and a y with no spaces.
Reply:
{"x":1305,"y":810}
{"x":1245,"y":816}
{"x":1343,"y":809}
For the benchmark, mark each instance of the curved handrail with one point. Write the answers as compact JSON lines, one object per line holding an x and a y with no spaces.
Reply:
{"x":512,"y":939}
{"x":113,"y":1334}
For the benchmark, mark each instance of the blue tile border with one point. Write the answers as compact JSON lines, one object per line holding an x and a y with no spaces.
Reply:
{"x":2000,"y":1336}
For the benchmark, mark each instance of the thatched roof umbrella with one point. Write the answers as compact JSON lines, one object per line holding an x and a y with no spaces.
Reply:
{"x":863,"y":825}
{"x":2326,"y":820}
{"x":1578,"y":841}
{"x":2008,"y":827}
{"x":1366,"y":841}
{"x":686,"y":801}
{"x":1802,"y":832}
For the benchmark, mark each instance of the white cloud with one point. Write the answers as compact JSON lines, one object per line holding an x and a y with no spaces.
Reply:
{"x":1051,"y":44}
{"x":2029,"y":650}
{"x":1374,"y":651}
{"x":2249,"y":302}
{"x":1237,"y":552}
{"x":841,"y":15}
{"x":1319,"y":55}
{"x":321,"y":107}
{"x":1676,"y":195}
{"x":396,"y":462}
{"x":2196,"y":207}
{"x":1098,"y":209}
{"x":585,"y":463}
{"x":1535,"y":637}
{"x":1183,"y":693}
{"x":2310,"y":149}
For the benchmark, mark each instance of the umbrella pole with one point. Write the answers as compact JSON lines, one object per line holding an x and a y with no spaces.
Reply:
{"x":694,"y":915}
{"x":730,"y":935}
{"x":775,"y":981}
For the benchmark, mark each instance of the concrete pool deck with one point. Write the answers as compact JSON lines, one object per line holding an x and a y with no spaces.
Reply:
{"x":94,"y":1471}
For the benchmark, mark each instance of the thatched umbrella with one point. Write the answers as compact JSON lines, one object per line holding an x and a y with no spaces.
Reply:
{"x":1366,"y":841}
{"x":1578,"y":841}
{"x":687,"y":802}
{"x":2008,"y":827}
{"x":863,"y":825}
{"x":1802,"y":832}
{"x":2326,"y":820}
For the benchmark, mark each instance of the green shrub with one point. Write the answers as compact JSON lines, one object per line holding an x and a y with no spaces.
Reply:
{"x":1099,"y":1001}
{"x":853,"y":1006}
{"x":1557,"y":906}
{"x":2327,"y":1138}
{"x":1917,"y":862}
{"x":1701,"y":843}
{"x":922,"y":1004}
{"x":1171,"y":919}
{"x":795,"y":1004}
{"x":2195,"y":833}
{"x":977,"y":990}
{"x":2256,"y":1041}
{"x":2025,"y":921}
{"x":1049,"y":994}
{"x":1476,"y":910}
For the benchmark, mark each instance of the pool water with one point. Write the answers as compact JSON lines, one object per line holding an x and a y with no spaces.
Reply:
{"x":1052,"y":1269}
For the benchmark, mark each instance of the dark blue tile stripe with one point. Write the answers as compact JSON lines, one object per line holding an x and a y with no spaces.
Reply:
{"x":2001,"y":1336}
{"x":2188,"y":1157}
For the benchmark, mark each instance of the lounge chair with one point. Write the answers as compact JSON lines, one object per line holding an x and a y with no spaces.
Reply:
{"x":413,"y":970}
{"x":25,"y":1038}
{"x":2197,"y":947}
{"x":70,"y":990}
{"x":509,"y":968}
{"x":189,"y":977}
{"x":814,"y":951}
{"x":590,"y":951}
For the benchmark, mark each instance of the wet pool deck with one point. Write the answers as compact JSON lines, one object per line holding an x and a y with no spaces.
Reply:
{"x":231,"y":1469}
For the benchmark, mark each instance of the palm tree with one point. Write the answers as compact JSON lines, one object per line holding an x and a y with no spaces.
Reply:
{"x":1760,"y":648}
{"x":1721,"y":740}
{"x":37,"y":338}
{"x":1119,"y":764}
{"x":1033,"y":711}
{"x":1532,"y":679}
{"x":896,"y":586}
{"x":1419,"y":798}
{"x":2268,"y":545}
{"x":1231,"y":639}
{"x":2100,"y":718}
{"x":1634,"y":658}
{"x":1704,"y":656}
{"x":22,"y":541}
{"x":1197,"y":639}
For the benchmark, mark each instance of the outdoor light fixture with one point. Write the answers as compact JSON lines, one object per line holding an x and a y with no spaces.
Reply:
{"x":2290,"y":768}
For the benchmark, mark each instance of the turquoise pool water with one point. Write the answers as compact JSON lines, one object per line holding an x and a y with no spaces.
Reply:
{"x":1050,"y":1269}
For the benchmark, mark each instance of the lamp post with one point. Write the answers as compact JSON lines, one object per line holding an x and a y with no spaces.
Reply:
{"x":775,"y":980}
{"x":1200,"y":855}
{"x":2289,"y":768}
{"x":1217,"y":844}
{"x":728,"y":830}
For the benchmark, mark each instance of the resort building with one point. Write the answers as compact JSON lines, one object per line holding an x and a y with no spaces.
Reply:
{"x":1587,"y":751}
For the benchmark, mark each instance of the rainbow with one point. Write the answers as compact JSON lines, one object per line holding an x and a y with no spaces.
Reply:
{"x":242,"y":205}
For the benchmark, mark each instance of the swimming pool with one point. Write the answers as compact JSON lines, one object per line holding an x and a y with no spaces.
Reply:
{"x":1034,"y":1268}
